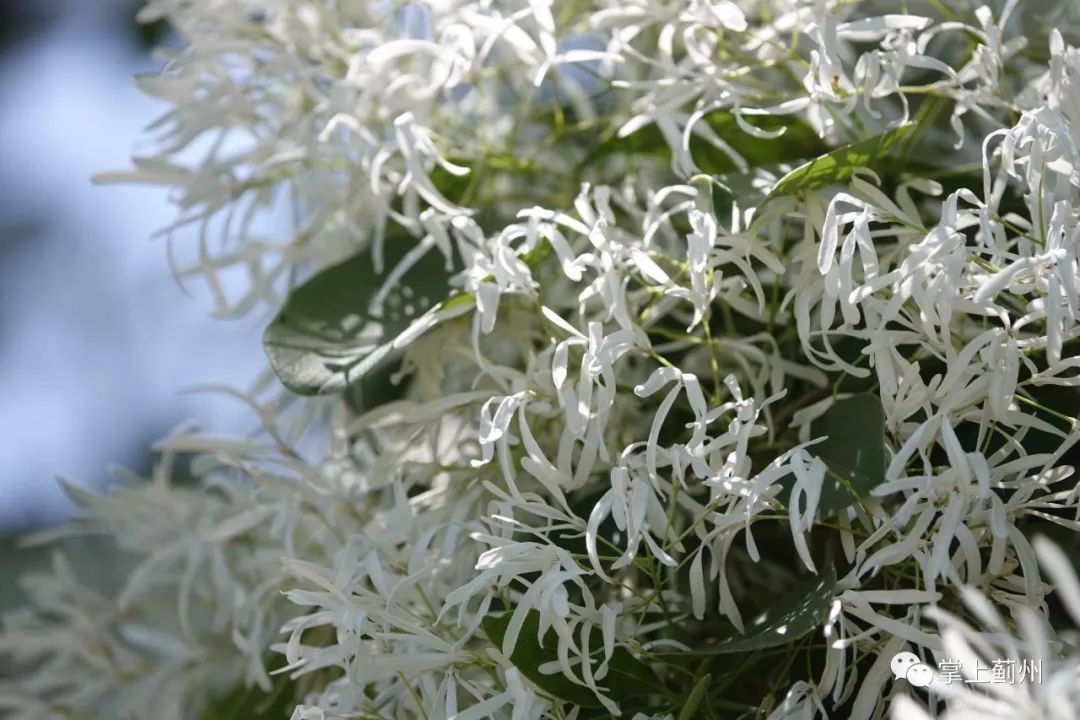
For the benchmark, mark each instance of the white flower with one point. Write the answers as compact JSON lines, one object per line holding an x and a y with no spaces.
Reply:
{"x":610,"y":423}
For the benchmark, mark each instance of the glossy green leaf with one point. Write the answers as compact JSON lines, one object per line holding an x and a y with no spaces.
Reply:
{"x":838,"y":165}
{"x":627,"y":676}
{"x":797,"y":612}
{"x":332,"y":332}
{"x":854,"y":451}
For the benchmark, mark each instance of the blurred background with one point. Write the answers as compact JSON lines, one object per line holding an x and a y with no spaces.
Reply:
{"x":97,"y":341}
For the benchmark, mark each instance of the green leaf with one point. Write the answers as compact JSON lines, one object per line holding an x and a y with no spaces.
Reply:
{"x":696,"y":696}
{"x":714,"y":198}
{"x":376,"y":387}
{"x":794,"y":614}
{"x":627,"y":676}
{"x":854,"y":451}
{"x":255,"y":704}
{"x":331,"y":333}
{"x":798,"y":141}
{"x":838,"y":165}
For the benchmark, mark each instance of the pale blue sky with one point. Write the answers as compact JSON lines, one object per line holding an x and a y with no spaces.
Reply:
{"x":96,"y":340}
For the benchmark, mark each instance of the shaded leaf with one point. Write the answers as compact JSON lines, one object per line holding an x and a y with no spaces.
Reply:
{"x":332,"y":331}
{"x":854,"y":451}
{"x":255,"y":704}
{"x":714,"y":198}
{"x":838,"y":165}
{"x":693,"y":702}
{"x":627,"y":676}
{"x":376,"y":387}
{"x":794,"y":614}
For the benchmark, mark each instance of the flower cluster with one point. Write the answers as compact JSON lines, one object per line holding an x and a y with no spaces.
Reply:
{"x":650,"y":308}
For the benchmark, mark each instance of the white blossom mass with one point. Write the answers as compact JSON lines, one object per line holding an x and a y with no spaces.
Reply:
{"x":658,"y":359}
